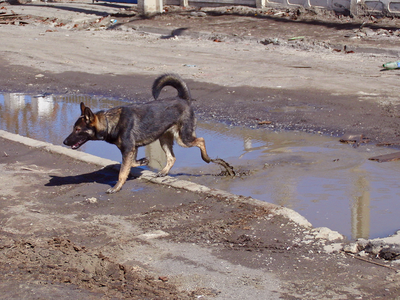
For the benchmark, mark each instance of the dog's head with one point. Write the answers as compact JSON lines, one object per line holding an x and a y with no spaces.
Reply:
{"x":84,"y":129}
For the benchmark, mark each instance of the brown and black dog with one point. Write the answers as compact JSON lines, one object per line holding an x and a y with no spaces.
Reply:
{"x":136,"y":125}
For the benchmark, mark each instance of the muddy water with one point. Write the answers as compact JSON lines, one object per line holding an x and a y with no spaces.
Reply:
{"x":331,"y":184}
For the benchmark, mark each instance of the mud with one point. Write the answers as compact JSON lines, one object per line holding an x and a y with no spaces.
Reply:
{"x":60,"y":260}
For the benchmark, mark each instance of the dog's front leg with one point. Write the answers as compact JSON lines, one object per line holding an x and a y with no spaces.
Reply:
{"x":126,"y":165}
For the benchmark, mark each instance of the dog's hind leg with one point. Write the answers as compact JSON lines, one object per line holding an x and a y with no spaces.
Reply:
{"x":167,"y":142}
{"x":189,"y":139}
{"x":186,"y":137}
{"x":199,"y":142}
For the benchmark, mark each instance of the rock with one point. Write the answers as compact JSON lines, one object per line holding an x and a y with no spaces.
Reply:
{"x":91,"y":200}
{"x":327,"y":234}
{"x":362,"y":243}
{"x":374,"y":247}
{"x":351,"y":248}
{"x":333,"y":248}
{"x":390,"y":253}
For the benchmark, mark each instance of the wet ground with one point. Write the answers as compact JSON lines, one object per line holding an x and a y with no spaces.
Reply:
{"x":332,"y":184}
{"x":62,"y":235}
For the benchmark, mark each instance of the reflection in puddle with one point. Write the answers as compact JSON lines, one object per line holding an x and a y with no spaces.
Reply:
{"x":331,"y":184}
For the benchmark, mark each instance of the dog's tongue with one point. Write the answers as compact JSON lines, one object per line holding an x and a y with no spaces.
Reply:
{"x":76,"y":146}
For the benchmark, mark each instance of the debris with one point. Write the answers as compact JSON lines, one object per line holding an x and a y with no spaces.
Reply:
{"x":333,"y":248}
{"x":296,"y":38}
{"x":198,"y":14}
{"x":387,"y":144}
{"x":91,"y":200}
{"x":344,"y":50}
{"x":355,"y":139}
{"x":264,"y":122}
{"x":390,"y":253}
{"x":392,"y":65}
{"x":327,"y":234}
{"x":7,"y":16}
{"x":10,"y":19}
{"x":351,"y":248}
{"x":274,"y":41}
{"x":163,"y":278}
{"x":372,"y":262}
{"x":351,"y":138}
{"x":386,"y":157}
{"x":155,"y":234}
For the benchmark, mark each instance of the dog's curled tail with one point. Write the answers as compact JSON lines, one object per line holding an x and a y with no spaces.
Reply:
{"x":173,"y":80}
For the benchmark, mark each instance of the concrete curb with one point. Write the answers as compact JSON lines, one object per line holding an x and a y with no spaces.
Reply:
{"x":151,"y":176}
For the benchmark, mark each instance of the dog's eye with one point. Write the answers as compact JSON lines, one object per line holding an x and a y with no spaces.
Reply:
{"x":77,"y":130}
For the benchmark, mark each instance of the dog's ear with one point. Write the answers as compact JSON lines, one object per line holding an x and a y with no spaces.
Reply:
{"x":82,"y":108}
{"x":88,"y":115}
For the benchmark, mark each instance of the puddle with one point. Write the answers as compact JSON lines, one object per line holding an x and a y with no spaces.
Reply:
{"x":331,"y":184}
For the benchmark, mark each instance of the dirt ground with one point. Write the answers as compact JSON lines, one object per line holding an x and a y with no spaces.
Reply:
{"x":61,"y":236}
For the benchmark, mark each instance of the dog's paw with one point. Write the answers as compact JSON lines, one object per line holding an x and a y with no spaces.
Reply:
{"x":161,"y":174}
{"x":113,"y":190}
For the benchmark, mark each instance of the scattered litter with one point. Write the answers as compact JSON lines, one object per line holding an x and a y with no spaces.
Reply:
{"x":190,"y":66}
{"x":355,"y":139}
{"x":91,"y":200}
{"x":392,"y":65}
{"x":381,"y":144}
{"x":163,"y":278}
{"x":274,"y":41}
{"x":344,"y":50}
{"x":39,"y":76}
{"x":296,"y":38}
{"x":13,"y":18}
{"x":386,"y":157}
{"x":264,"y":122}
{"x":153,"y":235}
{"x":198,"y":14}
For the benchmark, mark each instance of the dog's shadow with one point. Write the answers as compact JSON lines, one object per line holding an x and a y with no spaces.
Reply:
{"x":107,"y":175}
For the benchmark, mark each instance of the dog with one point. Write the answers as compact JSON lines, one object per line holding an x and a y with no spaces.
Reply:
{"x":132,"y":126}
